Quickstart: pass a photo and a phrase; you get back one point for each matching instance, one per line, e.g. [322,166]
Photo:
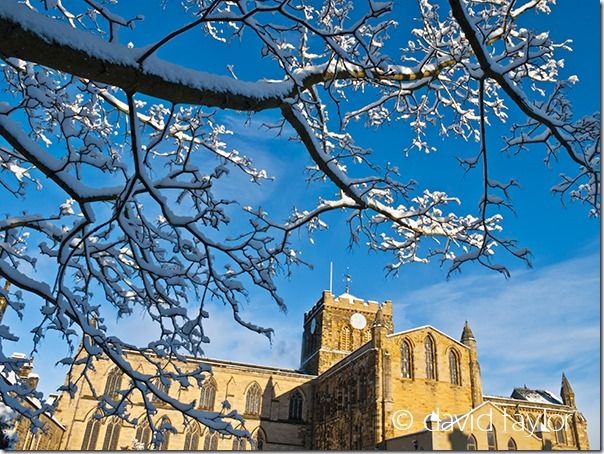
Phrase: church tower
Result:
[335,326]
[467,338]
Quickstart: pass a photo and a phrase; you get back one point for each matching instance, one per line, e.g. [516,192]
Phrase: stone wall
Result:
[232,380]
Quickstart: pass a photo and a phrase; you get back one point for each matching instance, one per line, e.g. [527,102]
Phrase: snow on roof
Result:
[536,395]
[11,378]
[348,296]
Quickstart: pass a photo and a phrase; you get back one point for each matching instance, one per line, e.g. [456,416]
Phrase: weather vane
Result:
[347,280]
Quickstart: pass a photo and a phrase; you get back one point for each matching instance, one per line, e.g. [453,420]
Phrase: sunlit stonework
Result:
[359,386]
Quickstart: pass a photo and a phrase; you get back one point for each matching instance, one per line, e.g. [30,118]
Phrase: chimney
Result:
[24,366]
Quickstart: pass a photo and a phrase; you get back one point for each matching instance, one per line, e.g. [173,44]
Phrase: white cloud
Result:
[530,328]
[228,339]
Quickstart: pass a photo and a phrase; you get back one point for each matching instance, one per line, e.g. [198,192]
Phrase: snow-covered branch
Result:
[147,181]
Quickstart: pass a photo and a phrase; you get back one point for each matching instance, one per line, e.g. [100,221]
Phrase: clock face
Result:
[313,325]
[358,321]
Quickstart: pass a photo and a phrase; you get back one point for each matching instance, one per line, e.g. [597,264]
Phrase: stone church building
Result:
[359,386]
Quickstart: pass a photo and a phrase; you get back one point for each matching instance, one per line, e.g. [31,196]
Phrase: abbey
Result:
[359,386]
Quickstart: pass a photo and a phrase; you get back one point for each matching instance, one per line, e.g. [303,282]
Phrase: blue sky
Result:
[530,328]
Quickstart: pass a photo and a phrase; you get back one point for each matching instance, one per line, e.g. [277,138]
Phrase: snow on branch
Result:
[147,172]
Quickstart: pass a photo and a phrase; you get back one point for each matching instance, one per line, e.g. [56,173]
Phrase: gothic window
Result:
[571,439]
[91,434]
[532,424]
[211,441]
[559,428]
[112,434]
[33,442]
[114,384]
[260,441]
[162,386]
[430,353]
[345,339]
[192,437]
[208,395]
[296,406]
[512,445]
[366,335]
[454,367]
[238,444]
[471,443]
[362,387]
[491,439]
[143,434]
[164,423]
[253,399]
[406,360]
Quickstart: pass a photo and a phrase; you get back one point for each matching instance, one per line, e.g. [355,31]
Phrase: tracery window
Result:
[512,445]
[260,440]
[239,444]
[345,338]
[113,384]
[163,387]
[406,360]
[91,434]
[491,439]
[471,444]
[165,422]
[366,335]
[112,434]
[362,387]
[208,395]
[430,353]
[143,434]
[211,441]
[192,437]
[559,428]
[296,406]
[454,367]
[253,399]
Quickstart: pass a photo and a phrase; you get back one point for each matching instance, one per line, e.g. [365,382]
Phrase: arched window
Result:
[454,367]
[34,441]
[491,439]
[113,384]
[253,399]
[211,441]
[471,444]
[112,434]
[208,395]
[164,424]
[512,445]
[366,336]
[163,386]
[406,360]
[345,338]
[91,434]
[362,387]
[260,441]
[430,352]
[559,428]
[143,434]
[192,437]
[296,406]
[238,444]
